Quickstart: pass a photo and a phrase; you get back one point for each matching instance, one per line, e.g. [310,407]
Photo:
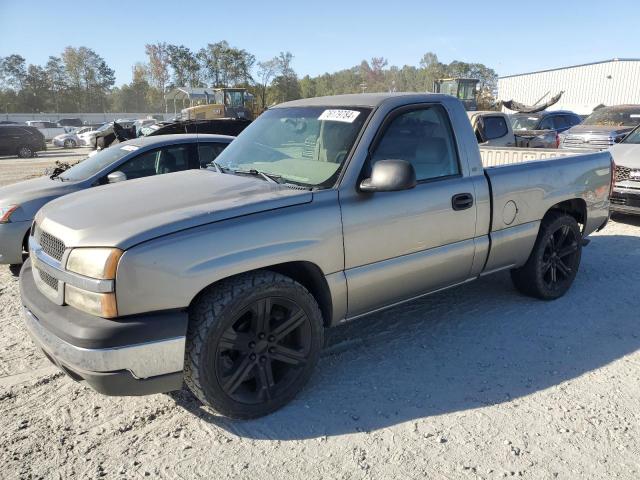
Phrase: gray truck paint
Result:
[374,250]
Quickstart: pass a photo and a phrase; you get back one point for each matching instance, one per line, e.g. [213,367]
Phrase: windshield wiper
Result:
[269,177]
[215,165]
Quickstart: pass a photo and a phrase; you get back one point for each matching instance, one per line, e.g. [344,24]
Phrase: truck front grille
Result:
[626,173]
[48,279]
[52,246]
[590,142]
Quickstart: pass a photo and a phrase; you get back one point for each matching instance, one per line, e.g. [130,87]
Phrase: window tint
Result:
[207,152]
[495,127]
[546,124]
[165,160]
[424,139]
[560,122]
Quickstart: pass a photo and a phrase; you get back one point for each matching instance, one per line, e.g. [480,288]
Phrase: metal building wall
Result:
[611,82]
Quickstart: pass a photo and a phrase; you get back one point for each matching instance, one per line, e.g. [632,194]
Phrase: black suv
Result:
[21,140]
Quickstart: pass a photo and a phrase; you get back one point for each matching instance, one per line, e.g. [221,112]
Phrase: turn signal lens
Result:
[99,304]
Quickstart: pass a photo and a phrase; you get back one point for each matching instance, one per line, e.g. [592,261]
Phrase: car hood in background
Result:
[603,130]
[626,155]
[30,195]
[125,214]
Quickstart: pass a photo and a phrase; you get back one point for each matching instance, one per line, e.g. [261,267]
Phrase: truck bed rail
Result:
[498,156]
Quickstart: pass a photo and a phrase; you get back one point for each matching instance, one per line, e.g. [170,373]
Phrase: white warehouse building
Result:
[610,82]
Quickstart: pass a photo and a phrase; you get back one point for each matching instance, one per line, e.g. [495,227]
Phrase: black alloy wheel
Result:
[261,354]
[554,260]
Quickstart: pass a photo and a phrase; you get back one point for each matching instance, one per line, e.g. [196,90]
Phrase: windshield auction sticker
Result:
[347,116]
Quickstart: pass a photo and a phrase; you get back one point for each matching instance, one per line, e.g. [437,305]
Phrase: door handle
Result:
[462,201]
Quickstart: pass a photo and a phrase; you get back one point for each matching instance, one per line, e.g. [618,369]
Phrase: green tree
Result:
[158,71]
[185,66]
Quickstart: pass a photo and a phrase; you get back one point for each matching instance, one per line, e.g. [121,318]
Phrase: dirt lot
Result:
[475,382]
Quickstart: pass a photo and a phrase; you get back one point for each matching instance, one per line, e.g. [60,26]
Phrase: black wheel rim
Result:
[25,152]
[264,351]
[559,257]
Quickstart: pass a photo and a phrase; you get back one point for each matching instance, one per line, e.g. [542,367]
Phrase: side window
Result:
[560,122]
[423,138]
[208,152]
[495,127]
[169,159]
[143,165]
[546,123]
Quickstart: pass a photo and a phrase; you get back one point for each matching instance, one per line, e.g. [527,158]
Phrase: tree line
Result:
[80,80]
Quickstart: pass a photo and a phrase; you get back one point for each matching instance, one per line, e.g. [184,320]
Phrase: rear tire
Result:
[69,143]
[25,151]
[554,260]
[252,344]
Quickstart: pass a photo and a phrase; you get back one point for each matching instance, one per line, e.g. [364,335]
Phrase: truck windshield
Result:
[614,117]
[93,164]
[302,145]
[524,122]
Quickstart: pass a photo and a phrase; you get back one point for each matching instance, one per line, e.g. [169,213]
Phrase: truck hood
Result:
[600,130]
[626,155]
[125,214]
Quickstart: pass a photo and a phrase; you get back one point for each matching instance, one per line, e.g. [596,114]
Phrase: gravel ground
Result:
[474,382]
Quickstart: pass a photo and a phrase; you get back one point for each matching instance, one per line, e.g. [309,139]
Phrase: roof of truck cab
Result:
[361,99]
[177,138]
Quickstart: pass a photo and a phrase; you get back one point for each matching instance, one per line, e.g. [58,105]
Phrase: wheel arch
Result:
[307,274]
[575,207]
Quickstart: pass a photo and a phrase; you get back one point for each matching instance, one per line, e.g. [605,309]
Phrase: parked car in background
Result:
[137,158]
[494,129]
[48,129]
[626,192]
[143,122]
[105,135]
[231,127]
[67,140]
[603,128]
[558,121]
[70,122]
[21,140]
[324,210]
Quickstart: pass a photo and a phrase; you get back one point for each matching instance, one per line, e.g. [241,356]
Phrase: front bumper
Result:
[136,355]
[626,200]
[11,241]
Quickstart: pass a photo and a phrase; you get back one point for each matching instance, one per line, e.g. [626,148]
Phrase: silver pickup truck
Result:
[321,211]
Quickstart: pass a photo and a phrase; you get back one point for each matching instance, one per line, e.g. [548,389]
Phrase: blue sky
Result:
[329,35]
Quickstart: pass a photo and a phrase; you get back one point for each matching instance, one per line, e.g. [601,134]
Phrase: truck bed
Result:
[498,156]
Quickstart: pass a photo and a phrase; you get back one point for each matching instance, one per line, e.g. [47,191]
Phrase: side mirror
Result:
[115,177]
[390,176]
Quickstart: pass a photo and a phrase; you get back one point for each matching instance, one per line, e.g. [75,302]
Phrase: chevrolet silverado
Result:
[323,210]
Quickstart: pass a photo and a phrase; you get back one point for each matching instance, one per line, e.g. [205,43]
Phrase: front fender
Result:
[168,272]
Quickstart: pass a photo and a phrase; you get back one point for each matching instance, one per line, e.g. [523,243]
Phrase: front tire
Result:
[69,143]
[252,344]
[25,151]
[554,260]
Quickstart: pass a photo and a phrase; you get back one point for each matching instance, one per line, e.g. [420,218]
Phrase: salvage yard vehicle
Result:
[133,159]
[67,140]
[556,120]
[494,129]
[605,127]
[323,210]
[626,192]
[21,140]
[48,129]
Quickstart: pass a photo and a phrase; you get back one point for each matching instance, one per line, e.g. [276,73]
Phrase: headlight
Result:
[5,212]
[99,304]
[94,262]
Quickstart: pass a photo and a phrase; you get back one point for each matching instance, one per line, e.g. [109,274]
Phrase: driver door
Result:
[401,244]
